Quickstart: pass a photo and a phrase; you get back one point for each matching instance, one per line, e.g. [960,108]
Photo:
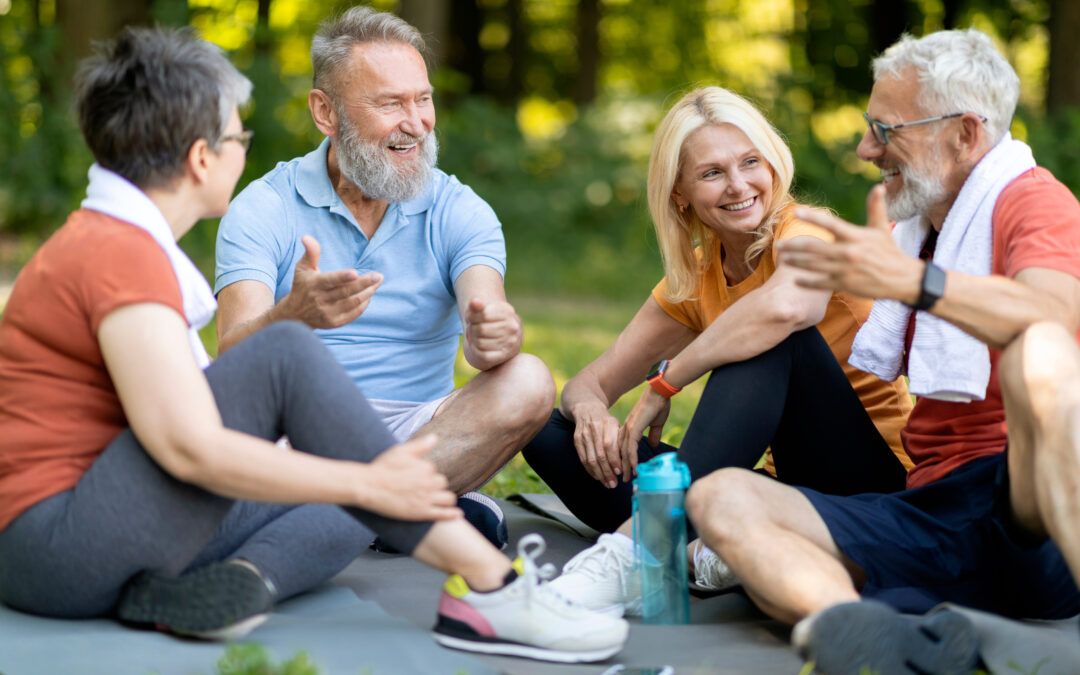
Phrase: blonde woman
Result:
[719,194]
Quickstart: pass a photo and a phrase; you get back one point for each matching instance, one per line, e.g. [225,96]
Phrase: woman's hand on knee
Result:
[405,485]
[651,410]
[596,435]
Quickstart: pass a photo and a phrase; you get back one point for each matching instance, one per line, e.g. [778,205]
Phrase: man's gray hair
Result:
[144,98]
[958,71]
[336,37]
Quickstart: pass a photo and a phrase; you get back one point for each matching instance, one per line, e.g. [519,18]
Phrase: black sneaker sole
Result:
[871,637]
[219,601]
[507,648]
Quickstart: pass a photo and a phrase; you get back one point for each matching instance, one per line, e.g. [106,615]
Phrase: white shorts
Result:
[404,418]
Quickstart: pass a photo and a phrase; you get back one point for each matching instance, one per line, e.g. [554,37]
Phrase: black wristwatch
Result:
[932,287]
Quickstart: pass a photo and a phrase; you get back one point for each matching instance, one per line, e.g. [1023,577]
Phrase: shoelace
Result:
[595,562]
[709,569]
[529,549]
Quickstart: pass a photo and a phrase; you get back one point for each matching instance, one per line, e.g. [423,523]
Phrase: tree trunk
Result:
[588,49]
[432,18]
[83,22]
[888,21]
[518,49]
[1063,87]
[951,14]
[464,52]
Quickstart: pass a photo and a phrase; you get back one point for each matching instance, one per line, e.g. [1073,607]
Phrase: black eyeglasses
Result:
[243,138]
[881,130]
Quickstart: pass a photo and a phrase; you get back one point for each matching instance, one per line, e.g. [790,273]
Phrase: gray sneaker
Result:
[868,636]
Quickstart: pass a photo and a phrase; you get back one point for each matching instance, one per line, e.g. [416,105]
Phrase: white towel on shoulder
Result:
[945,363]
[112,194]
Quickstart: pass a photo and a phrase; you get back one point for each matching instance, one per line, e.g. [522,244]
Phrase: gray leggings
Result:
[71,554]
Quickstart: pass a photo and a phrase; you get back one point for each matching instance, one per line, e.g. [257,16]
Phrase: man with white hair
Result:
[986,245]
[391,259]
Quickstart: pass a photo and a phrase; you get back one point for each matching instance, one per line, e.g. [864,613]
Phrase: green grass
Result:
[568,334]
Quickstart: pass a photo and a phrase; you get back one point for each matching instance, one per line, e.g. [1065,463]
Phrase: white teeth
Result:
[403,147]
[740,206]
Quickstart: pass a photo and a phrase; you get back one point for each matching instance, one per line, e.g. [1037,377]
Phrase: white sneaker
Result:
[604,577]
[710,572]
[527,617]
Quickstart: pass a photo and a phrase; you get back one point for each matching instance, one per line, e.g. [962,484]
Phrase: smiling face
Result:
[912,164]
[725,180]
[385,116]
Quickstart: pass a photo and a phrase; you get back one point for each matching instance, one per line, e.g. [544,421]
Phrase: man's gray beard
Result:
[922,190]
[366,164]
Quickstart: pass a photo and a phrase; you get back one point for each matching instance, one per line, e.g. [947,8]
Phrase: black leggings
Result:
[794,398]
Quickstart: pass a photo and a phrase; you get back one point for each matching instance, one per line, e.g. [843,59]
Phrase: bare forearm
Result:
[239,466]
[583,389]
[996,309]
[748,328]
[233,334]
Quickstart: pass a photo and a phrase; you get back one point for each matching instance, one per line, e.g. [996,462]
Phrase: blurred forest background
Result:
[546,108]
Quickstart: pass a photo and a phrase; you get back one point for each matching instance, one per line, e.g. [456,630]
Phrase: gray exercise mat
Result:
[1042,647]
[341,634]
[727,635]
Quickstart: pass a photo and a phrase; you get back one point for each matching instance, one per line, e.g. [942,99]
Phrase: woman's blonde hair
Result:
[680,233]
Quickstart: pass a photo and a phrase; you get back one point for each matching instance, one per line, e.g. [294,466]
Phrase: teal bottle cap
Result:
[661,473]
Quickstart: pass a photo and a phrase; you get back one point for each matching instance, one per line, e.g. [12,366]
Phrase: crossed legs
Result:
[484,424]
[774,540]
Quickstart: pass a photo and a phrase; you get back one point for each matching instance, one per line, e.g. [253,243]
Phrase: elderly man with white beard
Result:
[977,301]
[391,260]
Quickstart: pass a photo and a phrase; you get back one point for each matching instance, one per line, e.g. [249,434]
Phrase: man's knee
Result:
[528,391]
[723,504]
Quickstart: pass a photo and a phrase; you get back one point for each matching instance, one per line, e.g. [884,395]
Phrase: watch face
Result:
[658,368]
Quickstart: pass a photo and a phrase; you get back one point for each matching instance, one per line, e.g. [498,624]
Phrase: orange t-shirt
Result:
[887,403]
[1036,223]
[58,406]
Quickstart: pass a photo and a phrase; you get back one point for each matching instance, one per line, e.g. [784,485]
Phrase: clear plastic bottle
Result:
[659,525]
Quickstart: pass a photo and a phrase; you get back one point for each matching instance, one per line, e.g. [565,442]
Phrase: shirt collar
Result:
[312,180]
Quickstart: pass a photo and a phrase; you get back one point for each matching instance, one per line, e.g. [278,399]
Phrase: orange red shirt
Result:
[1036,223]
[58,406]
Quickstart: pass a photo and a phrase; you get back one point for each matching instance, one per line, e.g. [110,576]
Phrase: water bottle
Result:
[659,525]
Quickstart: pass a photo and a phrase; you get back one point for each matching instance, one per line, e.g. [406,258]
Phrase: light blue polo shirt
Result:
[403,346]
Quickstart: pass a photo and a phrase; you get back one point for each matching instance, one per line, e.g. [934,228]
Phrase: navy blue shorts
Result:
[951,541]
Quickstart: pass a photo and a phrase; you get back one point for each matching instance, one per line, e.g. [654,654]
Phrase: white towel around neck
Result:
[945,363]
[113,195]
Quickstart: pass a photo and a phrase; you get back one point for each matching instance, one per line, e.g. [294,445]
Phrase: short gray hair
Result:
[958,71]
[146,97]
[336,37]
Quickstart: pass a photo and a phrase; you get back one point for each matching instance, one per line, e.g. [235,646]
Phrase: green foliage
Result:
[1054,140]
[43,160]
[572,206]
[254,659]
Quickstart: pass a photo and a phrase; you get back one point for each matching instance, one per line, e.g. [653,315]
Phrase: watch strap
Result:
[658,383]
[932,287]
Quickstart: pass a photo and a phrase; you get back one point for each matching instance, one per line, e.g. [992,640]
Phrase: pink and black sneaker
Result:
[526,617]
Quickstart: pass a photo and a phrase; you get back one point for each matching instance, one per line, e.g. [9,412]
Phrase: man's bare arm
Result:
[319,299]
